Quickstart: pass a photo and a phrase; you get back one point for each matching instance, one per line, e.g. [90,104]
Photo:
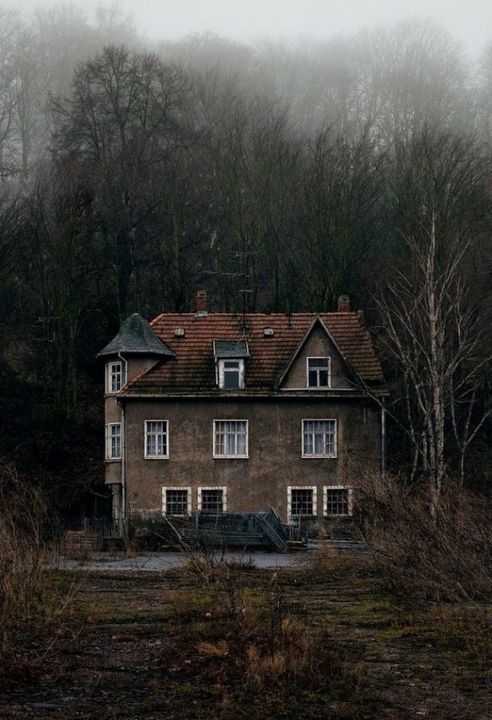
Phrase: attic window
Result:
[318,372]
[229,363]
[231,374]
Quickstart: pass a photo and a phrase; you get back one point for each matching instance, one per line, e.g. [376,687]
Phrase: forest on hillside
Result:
[277,177]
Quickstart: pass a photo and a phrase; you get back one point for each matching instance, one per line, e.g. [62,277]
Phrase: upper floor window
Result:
[231,374]
[231,438]
[156,439]
[113,441]
[318,372]
[319,438]
[114,377]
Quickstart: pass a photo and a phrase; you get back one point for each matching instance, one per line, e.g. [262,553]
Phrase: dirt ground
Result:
[240,642]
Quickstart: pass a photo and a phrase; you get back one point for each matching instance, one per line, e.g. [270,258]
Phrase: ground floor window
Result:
[176,501]
[212,499]
[337,501]
[113,441]
[301,501]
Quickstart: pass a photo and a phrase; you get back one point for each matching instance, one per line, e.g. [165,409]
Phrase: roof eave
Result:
[166,353]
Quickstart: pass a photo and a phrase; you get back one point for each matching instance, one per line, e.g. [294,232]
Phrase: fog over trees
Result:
[131,175]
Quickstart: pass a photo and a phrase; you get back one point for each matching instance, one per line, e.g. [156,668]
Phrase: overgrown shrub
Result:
[273,651]
[32,598]
[446,557]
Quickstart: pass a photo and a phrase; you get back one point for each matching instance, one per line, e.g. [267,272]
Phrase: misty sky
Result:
[469,20]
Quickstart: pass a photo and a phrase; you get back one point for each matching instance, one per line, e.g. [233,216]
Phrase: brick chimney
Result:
[201,302]
[344,303]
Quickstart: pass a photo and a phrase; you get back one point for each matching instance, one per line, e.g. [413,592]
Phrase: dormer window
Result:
[115,377]
[229,363]
[318,372]
[231,374]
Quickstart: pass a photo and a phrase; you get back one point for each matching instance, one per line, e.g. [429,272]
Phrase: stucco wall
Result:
[112,409]
[275,445]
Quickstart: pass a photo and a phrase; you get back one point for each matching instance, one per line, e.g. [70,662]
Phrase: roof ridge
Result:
[298,313]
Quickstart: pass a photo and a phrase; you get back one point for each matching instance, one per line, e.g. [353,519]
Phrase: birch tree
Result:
[431,323]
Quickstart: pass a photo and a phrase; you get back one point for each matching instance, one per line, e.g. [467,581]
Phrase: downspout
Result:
[383,436]
[123,520]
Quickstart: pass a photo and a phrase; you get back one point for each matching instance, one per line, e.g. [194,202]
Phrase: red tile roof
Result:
[193,368]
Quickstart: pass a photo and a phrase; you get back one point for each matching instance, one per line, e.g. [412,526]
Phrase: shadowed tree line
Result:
[276,178]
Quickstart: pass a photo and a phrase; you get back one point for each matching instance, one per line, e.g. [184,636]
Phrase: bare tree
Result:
[9,26]
[61,279]
[338,221]
[431,324]
[124,119]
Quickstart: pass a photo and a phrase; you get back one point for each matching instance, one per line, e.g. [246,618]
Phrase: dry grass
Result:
[311,645]
[33,598]
[420,557]
[271,651]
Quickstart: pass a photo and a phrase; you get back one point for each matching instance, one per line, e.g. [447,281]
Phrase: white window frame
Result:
[219,456]
[222,372]
[165,488]
[166,426]
[318,387]
[314,490]
[211,487]
[335,443]
[109,444]
[110,371]
[350,500]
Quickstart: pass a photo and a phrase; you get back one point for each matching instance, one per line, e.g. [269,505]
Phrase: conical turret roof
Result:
[136,338]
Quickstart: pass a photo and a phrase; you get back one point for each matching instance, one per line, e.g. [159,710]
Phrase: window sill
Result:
[112,460]
[156,457]
[319,457]
[231,457]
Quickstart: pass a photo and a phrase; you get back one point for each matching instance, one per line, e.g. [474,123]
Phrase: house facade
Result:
[223,411]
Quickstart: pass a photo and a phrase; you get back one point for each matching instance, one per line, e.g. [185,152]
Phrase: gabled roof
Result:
[192,369]
[316,321]
[136,338]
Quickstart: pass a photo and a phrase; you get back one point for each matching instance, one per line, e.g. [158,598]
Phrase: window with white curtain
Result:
[115,377]
[113,441]
[230,438]
[156,439]
[319,438]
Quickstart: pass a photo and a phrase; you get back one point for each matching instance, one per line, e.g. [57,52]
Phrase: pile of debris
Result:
[245,530]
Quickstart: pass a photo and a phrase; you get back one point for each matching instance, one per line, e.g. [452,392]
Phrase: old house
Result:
[224,411]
